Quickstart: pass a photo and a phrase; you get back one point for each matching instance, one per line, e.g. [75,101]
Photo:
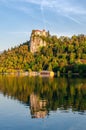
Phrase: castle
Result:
[36,40]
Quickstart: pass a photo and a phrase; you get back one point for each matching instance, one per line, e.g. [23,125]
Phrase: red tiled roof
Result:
[37,31]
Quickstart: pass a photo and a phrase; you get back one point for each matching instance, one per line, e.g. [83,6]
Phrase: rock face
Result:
[36,40]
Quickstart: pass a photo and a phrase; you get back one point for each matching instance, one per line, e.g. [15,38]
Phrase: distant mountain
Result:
[1,52]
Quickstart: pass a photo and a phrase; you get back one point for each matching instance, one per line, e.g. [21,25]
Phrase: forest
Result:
[61,54]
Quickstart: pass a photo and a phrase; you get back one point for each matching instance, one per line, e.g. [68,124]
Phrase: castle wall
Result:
[36,41]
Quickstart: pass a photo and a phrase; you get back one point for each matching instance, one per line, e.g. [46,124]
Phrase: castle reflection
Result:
[38,106]
[43,95]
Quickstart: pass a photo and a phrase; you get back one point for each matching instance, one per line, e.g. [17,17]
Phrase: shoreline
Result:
[44,74]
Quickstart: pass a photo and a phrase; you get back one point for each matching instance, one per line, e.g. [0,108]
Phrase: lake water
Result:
[37,103]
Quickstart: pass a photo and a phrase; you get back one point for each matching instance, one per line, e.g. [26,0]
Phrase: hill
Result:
[62,54]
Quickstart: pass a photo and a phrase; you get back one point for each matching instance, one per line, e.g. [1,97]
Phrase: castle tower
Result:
[36,40]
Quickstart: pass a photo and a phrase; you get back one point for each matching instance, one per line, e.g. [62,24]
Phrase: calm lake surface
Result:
[37,103]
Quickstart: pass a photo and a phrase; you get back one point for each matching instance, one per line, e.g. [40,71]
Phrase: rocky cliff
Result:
[37,41]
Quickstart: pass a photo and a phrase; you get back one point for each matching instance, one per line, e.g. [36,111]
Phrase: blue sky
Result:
[19,17]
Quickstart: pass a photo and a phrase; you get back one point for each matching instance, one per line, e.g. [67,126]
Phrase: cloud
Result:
[64,8]
[67,8]
[73,19]
[56,5]
[60,5]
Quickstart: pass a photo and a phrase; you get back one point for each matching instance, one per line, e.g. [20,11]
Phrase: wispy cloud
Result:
[60,5]
[24,8]
[73,19]
[65,8]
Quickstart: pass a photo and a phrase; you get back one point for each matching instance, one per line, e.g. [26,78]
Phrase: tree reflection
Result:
[46,94]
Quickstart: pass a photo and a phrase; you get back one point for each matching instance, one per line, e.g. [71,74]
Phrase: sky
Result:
[19,17]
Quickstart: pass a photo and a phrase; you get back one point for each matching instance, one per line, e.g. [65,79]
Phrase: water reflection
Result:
[43,95]
[38,106]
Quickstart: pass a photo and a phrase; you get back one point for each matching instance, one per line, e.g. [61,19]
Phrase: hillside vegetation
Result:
[62,54]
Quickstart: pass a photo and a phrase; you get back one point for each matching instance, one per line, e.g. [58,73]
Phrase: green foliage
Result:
[63,54]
